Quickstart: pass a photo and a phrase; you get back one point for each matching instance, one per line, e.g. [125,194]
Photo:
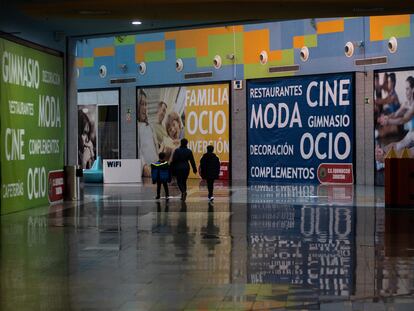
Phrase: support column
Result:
[128,129]
[239,135]
[71,131]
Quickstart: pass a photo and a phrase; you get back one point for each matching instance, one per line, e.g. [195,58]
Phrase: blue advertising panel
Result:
[301,129]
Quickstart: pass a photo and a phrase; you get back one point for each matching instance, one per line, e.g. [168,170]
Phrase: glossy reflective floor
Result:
[256,248]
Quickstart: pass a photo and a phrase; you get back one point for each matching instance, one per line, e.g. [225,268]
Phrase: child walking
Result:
[160,174]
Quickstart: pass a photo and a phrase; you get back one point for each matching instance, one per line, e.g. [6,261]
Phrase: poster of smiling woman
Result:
[199,113]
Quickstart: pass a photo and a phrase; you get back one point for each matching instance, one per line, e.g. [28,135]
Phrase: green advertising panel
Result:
[32,126]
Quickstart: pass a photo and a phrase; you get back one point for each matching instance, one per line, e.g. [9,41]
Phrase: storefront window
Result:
[98,126]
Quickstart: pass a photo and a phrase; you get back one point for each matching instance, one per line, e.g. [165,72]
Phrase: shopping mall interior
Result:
[299,113]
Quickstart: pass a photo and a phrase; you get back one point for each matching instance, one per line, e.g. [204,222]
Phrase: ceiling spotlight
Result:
[136,23]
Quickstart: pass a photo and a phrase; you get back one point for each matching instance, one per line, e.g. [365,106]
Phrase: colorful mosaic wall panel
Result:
[240,46]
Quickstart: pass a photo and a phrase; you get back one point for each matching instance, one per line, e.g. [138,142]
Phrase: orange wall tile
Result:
[298,42]
[104,51]
[330,26]
[142,48]
[275,55]
[377,24]
[198,38]
[255,42]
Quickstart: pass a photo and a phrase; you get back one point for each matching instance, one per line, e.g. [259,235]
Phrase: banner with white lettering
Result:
[32,127]
[199,113]
[301,129]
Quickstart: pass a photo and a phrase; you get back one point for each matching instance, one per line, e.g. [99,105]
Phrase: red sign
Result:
[333,173]
[56,185]
[224,170]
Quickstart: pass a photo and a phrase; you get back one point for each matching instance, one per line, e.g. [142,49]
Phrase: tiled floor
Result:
[256,248]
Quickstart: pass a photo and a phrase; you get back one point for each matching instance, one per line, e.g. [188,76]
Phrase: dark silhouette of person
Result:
[210,169]
[181,168]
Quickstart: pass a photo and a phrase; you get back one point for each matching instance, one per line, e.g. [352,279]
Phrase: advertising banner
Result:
[301,129]
[393,116]
[87,130]
[97,126]
[32,127]
[199,113]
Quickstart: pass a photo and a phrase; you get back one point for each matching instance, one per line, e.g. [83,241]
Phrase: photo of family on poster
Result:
[160,122]
[393,116]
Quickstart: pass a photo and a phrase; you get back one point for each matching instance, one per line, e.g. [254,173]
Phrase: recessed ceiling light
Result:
[136,23]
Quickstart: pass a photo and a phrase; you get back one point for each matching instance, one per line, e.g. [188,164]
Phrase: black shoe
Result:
[183,196]
[157,197]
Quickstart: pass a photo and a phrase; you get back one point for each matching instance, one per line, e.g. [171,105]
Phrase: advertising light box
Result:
[393,116]
[199,113]
[301,129]
[32,127]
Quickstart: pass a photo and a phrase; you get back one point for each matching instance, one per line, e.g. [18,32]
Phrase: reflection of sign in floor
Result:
[302,245]
[338,194]
[256,297]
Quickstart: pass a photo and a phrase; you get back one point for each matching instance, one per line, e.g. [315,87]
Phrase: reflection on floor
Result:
[262,247]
